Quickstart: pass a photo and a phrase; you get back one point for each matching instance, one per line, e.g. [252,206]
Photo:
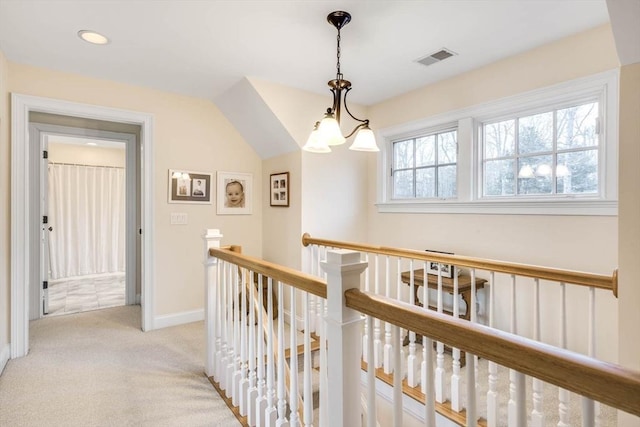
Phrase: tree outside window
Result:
[549,153]
[425,167]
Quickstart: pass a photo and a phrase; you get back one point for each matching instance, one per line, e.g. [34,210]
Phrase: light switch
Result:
[179,218]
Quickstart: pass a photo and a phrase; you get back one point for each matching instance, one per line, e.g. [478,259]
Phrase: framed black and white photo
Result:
[190,187]
[279,189]
[234,193]
[435,268]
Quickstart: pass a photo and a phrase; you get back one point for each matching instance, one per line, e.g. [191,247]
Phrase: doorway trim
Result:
[41,132]
[21,106]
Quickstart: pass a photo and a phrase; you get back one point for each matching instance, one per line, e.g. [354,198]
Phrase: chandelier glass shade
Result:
[327,133]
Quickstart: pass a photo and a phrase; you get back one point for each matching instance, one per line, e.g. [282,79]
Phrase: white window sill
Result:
[505,207]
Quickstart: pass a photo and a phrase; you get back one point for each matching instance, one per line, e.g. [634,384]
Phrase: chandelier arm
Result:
[358,127]
[365,121]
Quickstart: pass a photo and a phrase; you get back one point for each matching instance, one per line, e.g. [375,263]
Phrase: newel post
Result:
[211,239]
[343,331]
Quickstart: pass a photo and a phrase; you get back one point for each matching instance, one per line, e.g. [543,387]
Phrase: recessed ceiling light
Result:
[92,37]
[92,143]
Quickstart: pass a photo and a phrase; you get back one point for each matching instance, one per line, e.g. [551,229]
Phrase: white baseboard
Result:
[168,320]
[5,355]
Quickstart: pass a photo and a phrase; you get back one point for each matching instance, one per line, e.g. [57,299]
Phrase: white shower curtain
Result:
[87,213]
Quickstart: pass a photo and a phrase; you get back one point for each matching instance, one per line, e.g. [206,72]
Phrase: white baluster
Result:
[397,377]
[311,307]
[270,413]
[222,309]
[224,313]
[472,361]
[516,410]
[237,343]
[399,286]
[425,368]
[365,331]
[294,418]
[428,379]
[320,301]
[378,342]
[261,400]
[412,362]
[244,341]
[590,413]
[440,386]
[371,384]
[308,392]
[282,402]
[219,307]
[227,358]
[492,395]
[563,395]
[388,348]
[252,393]
[324,386]
[537,413]
[456,401]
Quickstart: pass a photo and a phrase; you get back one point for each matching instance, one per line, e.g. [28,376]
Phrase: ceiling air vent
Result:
[436,57]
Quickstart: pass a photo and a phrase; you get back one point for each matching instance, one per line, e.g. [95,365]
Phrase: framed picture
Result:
[445,270]
[234,193]
[279,189]
[190,187]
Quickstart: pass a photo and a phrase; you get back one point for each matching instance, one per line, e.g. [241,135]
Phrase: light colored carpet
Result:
[99,369]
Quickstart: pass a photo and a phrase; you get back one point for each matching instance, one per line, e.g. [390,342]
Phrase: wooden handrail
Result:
[608,383]
[302,281]
[565,276]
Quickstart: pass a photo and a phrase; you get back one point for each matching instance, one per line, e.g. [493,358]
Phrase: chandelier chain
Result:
[339,75]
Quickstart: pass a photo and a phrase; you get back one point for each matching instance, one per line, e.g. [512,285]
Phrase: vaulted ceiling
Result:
[202,48]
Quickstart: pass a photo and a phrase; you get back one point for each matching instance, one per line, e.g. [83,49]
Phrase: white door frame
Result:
[21,106]
[39,136]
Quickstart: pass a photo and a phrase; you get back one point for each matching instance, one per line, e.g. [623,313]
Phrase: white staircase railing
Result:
[246,354]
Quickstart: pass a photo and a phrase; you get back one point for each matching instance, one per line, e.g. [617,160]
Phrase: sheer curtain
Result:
[87,213]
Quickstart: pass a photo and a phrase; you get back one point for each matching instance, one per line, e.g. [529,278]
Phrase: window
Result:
[425,167]
[550,153]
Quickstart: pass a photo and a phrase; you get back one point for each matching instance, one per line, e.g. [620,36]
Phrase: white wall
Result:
[189,134]
[5,209]
[333,186]
[629,213]
[587,243]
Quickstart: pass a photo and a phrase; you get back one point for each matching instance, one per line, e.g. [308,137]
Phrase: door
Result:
[45,228]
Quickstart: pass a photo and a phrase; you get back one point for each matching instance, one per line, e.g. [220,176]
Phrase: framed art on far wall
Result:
[190,187]
[234,193]
[445,270]
[279,189]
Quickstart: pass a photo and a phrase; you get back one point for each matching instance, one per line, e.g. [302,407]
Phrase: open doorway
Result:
[86,229]
[25,207]
[85,232]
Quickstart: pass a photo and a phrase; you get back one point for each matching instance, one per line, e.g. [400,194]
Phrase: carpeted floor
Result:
[99,369]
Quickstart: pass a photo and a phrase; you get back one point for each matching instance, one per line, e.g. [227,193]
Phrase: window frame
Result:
[468,121]
[450,127]
[554,152]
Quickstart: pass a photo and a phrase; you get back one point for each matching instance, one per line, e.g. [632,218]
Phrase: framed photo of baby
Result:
[234,193]
[279,189]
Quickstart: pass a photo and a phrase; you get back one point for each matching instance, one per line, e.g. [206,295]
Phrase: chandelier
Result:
[327,131]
